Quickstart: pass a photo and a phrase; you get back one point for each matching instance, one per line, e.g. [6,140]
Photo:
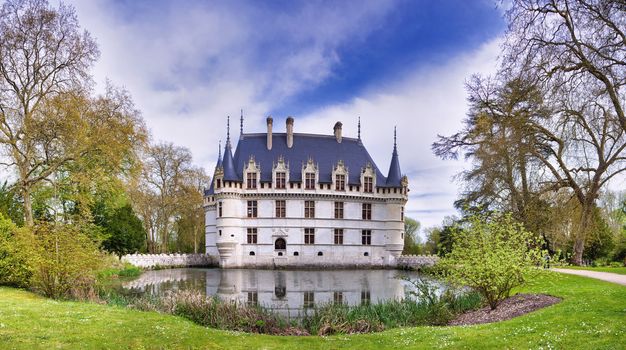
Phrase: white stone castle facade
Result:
[302,200]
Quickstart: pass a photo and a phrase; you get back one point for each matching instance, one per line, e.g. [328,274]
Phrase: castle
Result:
[302,200]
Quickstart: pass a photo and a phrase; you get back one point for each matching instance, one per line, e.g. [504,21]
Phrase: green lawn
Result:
[592,315]
[618,270]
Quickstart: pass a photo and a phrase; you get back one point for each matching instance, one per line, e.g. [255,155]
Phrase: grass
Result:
[127,270]
[591,316]
[618,270]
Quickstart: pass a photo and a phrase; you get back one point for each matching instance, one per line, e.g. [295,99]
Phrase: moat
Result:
[288,292]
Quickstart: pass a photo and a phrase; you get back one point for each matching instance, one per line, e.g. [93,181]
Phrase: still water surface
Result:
[288,292]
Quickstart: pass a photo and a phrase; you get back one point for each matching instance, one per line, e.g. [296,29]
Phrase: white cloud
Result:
[189,64]
[430,100]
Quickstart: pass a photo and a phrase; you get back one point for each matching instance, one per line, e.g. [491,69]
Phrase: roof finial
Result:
[394,139]
[219,150]
[241,122]
[359,128]
[227,131]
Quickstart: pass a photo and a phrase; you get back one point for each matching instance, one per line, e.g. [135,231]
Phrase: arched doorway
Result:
[280,244]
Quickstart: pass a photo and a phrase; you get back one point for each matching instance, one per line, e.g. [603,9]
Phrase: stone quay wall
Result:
[415,262]
[169,260]
[148,261]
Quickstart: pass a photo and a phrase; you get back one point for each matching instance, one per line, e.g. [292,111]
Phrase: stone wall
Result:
[415,262]
[179,260]
[169,260]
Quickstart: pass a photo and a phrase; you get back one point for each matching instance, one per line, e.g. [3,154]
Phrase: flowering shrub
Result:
[492,255]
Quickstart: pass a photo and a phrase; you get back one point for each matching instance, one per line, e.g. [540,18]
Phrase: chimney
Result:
[337,130]
[289,132]
[269,132]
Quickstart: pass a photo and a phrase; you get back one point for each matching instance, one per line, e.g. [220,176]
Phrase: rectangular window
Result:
[338,297]
[309,236]
[309,181]
[281,208]
[365,297]
[366,237]
[252,235]
[338,236]
[219,183]
[338,210]
[251,181]
[252,209]
[402,214]
[253,298]
[219,209]
[366,213]
[309,209]
[340,182]
[309,300]
[368,184]
[281,180]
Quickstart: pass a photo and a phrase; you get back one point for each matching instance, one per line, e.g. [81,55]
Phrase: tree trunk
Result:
[28,207]
[581,235]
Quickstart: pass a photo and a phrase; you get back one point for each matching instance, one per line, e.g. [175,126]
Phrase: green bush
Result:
[492,255]
[14,268]
[64,261]
[126,270]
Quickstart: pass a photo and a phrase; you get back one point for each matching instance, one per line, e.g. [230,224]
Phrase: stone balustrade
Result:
[185,260]
[415,262]
[169,260]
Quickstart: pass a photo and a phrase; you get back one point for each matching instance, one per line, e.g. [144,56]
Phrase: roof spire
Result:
[219,154]
[395,145]
[359,128]
[227,131]
[227,162]
[241,122]
[394,176]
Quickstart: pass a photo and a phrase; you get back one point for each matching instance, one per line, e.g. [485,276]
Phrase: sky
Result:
[189,64]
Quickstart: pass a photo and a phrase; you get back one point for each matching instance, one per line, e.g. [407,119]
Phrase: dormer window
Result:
[340,182]
[281,180]
[309,181]
[368,184]
[251,175]
[251,181]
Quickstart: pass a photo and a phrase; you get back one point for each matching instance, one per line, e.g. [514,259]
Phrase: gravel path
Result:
[605,276]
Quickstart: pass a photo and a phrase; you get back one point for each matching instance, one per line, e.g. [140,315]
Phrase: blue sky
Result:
[428,32]
[189,64]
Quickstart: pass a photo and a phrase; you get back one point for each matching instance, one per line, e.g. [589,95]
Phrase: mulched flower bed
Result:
[514,306]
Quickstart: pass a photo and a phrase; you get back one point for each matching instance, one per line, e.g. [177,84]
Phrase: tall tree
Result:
[170,188]
[572,53]
[576,51]
[411,237]
[572,43]
[498,139]
[43,56]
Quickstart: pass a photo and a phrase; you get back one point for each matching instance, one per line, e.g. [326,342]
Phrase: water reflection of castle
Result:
[287,292]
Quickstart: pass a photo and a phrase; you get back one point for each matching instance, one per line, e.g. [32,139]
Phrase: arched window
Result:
[280,244]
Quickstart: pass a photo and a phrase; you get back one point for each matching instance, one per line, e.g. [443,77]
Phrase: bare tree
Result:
[574,52]
[43,55]
[170,188]
[572,43]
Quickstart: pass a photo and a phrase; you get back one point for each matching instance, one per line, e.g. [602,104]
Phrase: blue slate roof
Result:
[230,173]
[394,176]
[325,151]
